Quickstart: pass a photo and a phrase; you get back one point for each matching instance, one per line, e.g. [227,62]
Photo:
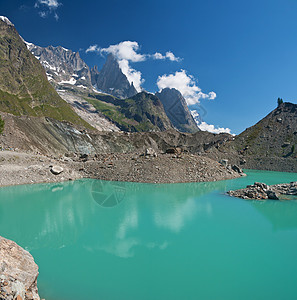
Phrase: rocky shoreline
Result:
[262,191]
[148,167]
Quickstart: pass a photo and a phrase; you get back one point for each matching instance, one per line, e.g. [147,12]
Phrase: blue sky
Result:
[244,51]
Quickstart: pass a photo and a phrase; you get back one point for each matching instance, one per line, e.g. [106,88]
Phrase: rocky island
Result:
[262,191]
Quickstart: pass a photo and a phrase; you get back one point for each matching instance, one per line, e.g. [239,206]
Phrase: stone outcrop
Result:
[18,272]
[112,80]
[262,191]
[177,110]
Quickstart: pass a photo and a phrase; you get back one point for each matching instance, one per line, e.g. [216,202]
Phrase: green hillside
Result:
[142,112]
[24,88]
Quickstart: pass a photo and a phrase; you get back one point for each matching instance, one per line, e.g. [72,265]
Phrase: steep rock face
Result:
[177,110]
[44,135]
[24,88]
[18,272]
[112,80]
[273,136]
[62,66]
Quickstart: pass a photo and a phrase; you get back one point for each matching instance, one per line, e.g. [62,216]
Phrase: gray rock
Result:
[224,162]
[56,170]
[272,195]
[150,152]
[19,272]
[261,191]
[261,185]
[237,169]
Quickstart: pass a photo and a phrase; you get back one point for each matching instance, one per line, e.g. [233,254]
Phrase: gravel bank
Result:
[23,168]
[165,168]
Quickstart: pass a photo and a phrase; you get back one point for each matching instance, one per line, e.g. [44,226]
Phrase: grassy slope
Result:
[24,88]
[143,112]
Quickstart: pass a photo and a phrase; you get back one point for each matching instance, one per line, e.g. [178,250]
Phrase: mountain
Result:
[142,112]
[271,144]
[63,66]
[24,88]
[112,80]
[273,136]
[177,110]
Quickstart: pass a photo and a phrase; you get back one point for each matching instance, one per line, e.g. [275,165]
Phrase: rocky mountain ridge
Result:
[112,80]
[268,145]
[71,76]
[63,66]
[273,136]
[177,110]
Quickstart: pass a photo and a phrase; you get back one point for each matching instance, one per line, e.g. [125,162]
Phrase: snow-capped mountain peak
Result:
[6,20]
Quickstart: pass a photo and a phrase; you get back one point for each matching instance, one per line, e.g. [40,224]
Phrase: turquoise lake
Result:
[130,241]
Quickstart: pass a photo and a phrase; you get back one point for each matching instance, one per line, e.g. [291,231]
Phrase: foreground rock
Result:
[262,191]
[56,170]
[18,272]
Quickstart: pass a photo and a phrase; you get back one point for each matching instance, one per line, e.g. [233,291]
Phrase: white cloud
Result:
[211,128]
[43,14]
[50,3]
[158,55]
[126,50]
[93,48]
[212,95]
[169,55]
[186,84]
[48,7]
[132,75]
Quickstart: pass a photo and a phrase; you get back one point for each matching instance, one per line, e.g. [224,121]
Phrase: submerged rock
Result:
[18,272]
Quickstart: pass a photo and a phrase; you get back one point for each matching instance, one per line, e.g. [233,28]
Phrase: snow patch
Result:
[6,20]
[49,77]
[72,81]
[99,91]
[82,86]
[29,45]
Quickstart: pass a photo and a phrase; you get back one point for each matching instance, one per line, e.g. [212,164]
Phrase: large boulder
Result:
[56,170]
[18,272]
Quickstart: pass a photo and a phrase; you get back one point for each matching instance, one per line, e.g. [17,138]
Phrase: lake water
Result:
[131,241]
